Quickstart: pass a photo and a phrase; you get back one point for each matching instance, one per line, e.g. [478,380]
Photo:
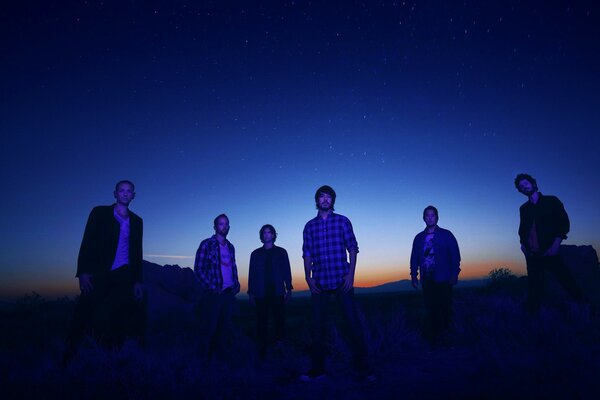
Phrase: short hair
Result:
[528,178]
[432,208]
[262,231]
[122,182]
[328,190]
[217,219]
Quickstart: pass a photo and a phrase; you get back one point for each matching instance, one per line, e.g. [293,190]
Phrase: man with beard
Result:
[109,268]
[328,240]
[436,255]
[544,224]
[216,271]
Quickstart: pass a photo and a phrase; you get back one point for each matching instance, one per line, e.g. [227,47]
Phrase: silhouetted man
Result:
[269,286]
[544,224]
[109,268]
[216,271]
[328,240]
[436,256]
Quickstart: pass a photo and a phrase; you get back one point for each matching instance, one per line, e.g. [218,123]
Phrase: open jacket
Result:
[447,255]
[207,266]
[282,274]
[100,239]
[551,221]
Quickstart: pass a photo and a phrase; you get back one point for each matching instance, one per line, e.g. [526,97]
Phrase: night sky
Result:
[246,108]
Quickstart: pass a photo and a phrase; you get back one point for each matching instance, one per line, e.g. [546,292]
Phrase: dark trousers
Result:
[538,267]
[111,303]
[438,305]
[215,310]
[353,328]
[274,305]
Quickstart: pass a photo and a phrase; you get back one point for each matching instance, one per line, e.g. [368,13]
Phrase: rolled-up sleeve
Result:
[349,238]
[307,242]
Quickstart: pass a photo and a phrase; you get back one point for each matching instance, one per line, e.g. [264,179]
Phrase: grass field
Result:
[497,351]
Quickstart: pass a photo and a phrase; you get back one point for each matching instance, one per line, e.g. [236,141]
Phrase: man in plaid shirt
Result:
[216,271]
[328,240]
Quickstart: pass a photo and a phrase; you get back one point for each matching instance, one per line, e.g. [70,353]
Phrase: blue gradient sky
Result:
[248,109]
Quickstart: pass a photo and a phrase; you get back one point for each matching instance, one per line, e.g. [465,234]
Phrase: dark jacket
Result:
[551,221]
[282,274]
[207,266]
[447,255]
[100,239]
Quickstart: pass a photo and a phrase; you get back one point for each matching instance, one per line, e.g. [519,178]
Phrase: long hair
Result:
[262,231]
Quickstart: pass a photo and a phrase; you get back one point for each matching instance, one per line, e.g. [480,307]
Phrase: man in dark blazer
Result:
[543,226]
[109,268]
[269,286]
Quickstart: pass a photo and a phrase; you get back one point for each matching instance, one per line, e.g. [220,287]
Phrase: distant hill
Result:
[400,286]
[171,286]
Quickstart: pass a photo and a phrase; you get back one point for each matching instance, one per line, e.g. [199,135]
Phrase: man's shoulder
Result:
[279,249]
[446,233]
[208,241]
[420,234]
[311,221]
[550,198]
[340,216]
[101,213]
[443,230]
[133,215]
[102,210]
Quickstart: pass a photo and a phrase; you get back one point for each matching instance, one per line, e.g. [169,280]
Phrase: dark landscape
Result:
[497,350]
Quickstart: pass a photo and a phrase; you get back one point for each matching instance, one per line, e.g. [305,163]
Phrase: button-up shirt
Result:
[326,242]
[207,266]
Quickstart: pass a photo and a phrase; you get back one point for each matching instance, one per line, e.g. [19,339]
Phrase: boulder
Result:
[583,263]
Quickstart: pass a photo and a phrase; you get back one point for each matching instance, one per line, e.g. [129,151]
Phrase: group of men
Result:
[110,272]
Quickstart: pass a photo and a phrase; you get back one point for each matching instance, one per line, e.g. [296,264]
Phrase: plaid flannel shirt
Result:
[207,266]
[326,242]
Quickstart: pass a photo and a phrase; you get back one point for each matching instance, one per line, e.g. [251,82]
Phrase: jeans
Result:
[215,310]
[438,305]
[353,328]
[112,299]
[265,305]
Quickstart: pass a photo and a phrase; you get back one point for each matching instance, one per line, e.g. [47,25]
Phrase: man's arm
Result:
[138,289]
[454,259]
[352,247]
[312,285]
[562,227]
[287,272]
[236,285]
[87,251]
[414,264]
[200,267]
[521,231]
[349,278]
[251,273]
[307,257]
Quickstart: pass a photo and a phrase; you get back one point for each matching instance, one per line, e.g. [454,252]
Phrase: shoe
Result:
[67,357]
[369,378]
[313,375]
[366,376]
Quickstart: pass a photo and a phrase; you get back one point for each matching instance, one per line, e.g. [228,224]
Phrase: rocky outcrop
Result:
[170,288]
[583,263]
